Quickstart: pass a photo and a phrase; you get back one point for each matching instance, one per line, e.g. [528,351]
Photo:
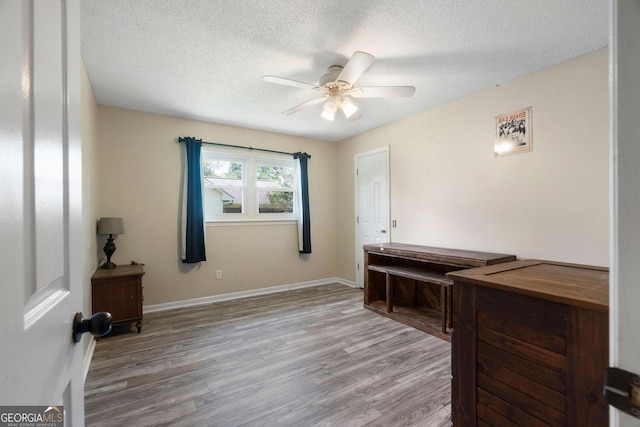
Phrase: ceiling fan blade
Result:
[306,104]
[357,65]
[383,91]
[288,82]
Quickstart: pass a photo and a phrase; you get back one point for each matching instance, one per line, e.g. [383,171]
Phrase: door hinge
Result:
[357,219]
[622,390]
[358,266]
[357,172]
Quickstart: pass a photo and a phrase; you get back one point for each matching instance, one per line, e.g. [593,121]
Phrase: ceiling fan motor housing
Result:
[330,85]
[331,76]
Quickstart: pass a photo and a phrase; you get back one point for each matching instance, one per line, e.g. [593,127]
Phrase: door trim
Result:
[624,206]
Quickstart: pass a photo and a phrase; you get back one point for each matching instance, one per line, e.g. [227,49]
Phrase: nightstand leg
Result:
[139,326]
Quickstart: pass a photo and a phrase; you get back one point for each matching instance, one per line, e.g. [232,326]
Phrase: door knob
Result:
[381,230]
[98,325]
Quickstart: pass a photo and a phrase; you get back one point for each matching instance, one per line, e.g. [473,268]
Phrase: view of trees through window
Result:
[275,188]
[223,169]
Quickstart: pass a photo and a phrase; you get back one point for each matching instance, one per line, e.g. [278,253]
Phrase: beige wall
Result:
[140,180]
[448,189]
[90,187]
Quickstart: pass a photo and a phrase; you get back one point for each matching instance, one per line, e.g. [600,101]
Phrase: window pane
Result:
[223,172]
[223,187]
[231,200]
[222,200]
[271,201]
[274,176]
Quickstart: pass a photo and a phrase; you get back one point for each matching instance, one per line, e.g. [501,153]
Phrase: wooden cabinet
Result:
[530,345]
[119,291]
[407,283]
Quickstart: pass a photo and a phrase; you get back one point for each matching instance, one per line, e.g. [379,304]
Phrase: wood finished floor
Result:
[308,357]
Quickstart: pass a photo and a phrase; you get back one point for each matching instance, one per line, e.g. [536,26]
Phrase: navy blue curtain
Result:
[193,244]
[304,227]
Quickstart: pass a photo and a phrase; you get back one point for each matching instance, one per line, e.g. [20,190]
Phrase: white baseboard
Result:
[243,294]
[345,282]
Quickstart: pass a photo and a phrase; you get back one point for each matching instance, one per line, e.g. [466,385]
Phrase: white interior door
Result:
[624,301]
[372,203]
[41,199]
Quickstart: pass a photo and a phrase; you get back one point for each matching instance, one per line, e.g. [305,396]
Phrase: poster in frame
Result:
[513,133]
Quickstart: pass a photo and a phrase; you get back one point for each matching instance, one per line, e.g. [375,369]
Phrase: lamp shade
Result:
[329,110]
[110,226]
[348,107]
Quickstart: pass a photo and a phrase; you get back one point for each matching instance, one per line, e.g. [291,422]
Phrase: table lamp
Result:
[110,226]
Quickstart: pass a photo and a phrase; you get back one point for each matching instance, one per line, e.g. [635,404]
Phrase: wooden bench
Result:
[407,283]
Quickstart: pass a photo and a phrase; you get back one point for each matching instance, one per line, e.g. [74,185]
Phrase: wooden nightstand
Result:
[119,291]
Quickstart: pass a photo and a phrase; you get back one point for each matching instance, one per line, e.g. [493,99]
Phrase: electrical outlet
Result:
[218,274]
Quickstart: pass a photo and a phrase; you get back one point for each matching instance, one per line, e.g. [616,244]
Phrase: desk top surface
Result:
[119,271]
[573,284]
[443,255]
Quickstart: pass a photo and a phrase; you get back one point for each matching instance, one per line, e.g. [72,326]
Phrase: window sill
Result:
[250,222]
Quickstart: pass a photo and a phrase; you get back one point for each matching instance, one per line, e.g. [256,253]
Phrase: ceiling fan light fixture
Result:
[327,116]
[348,107]
[329,110]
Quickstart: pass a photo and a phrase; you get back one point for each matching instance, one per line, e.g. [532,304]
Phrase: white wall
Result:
[448,189]
[140,182]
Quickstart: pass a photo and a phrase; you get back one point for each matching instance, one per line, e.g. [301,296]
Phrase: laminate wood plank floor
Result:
[307,357]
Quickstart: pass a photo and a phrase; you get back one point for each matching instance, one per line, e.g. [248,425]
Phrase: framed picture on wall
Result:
[513,132]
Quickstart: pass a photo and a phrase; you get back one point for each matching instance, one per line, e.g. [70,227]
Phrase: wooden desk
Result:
[530,345]
[407,283]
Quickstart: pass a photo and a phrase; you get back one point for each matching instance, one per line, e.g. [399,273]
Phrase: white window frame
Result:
[278,162]
[206,156]
[250,203]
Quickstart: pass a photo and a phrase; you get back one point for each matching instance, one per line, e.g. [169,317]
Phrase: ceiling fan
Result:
[336,88]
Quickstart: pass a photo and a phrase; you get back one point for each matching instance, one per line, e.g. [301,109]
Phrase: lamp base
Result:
[108,265]
[109,248]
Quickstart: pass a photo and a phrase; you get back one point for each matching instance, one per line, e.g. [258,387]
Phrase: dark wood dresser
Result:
[119,291]
[530,345]
[407,283]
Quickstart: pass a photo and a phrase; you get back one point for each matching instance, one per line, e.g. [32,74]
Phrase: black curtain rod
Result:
[181,139]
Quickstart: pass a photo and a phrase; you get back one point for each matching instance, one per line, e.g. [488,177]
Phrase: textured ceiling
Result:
[205,59]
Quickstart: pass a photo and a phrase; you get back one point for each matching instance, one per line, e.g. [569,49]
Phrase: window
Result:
[248,187]
[275,187]
[224,185]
